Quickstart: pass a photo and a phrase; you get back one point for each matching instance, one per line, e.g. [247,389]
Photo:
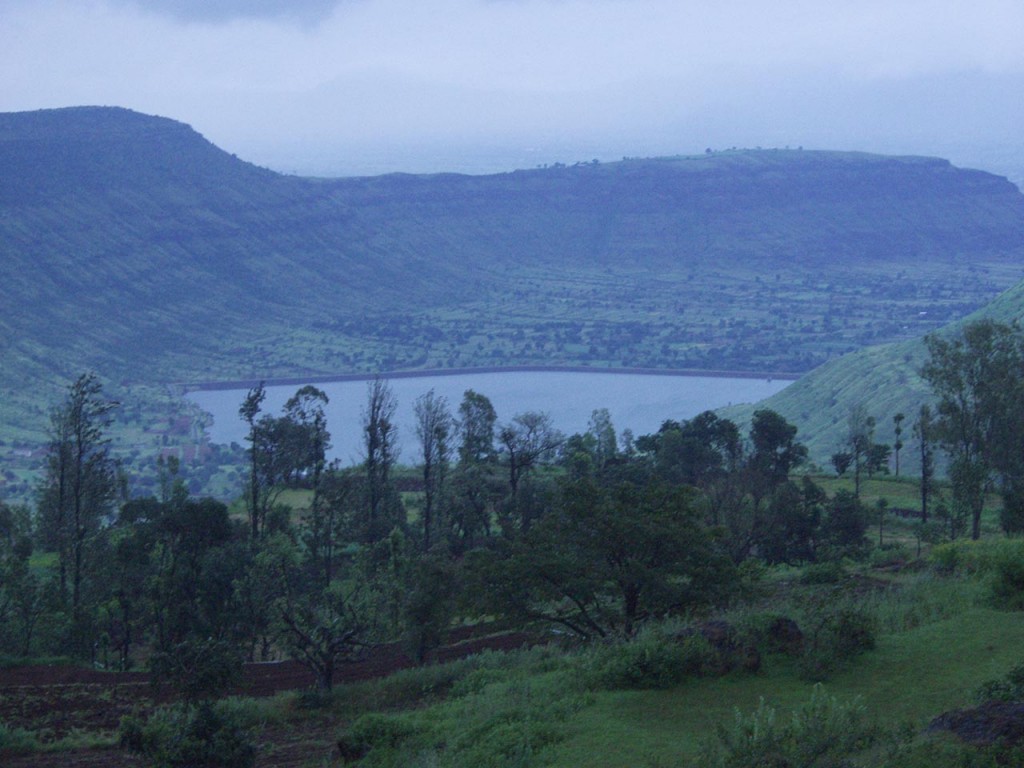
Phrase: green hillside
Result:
[133,247]
[883,378]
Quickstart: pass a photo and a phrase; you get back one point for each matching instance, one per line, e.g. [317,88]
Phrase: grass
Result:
[937,642]
[911,676]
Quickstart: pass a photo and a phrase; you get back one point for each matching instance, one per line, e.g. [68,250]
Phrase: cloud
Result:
[400,71]
[225,10]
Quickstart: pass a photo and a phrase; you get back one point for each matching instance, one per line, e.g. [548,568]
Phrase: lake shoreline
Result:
[214,386]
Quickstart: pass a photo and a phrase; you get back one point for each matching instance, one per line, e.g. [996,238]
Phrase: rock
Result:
[992,723]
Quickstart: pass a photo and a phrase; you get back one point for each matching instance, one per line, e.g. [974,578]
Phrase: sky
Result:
[342,87]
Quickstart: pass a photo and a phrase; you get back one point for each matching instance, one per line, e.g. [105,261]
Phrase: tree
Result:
[841,461]
[527,441]
[792,522]
[477,419]
[977,377]
[318,625]
[860,437]
[923,431]
[79,487]
[305,439]
[846,523]
[878,459]
[20,590]
[255,500]
[604,560]
[433,428]
[380,454]
[776,451]
[603,432]
[897,446]
[694,452]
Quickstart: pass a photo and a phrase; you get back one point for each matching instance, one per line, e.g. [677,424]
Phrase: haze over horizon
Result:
[358,87]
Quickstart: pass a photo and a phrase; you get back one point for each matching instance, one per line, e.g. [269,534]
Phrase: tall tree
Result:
[860,438]
[80,484]
[255,501]
[433,428]
[897,445]
[923,430]
[477,420]
[306,439]
[977,377]
[380,433]
[603,432]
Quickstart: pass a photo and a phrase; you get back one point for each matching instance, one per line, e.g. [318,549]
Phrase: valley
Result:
[138,250]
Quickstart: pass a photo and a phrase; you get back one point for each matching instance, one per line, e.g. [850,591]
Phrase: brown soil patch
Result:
[57,701]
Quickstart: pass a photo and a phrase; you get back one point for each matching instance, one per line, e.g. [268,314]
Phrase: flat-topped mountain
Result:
[134,247]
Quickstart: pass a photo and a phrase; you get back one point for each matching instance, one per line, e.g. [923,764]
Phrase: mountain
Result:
[133,247]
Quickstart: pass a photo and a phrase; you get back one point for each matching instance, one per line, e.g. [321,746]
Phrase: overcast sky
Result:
[365,86]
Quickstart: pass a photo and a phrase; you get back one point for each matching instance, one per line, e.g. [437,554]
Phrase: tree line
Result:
[594,533]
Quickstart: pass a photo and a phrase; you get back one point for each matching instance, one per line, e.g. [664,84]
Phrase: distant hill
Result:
[132,246]
[884,379]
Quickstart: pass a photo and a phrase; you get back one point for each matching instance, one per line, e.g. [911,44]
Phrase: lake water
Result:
[637,401]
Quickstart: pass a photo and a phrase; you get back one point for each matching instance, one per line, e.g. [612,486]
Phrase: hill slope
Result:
[883,378]
[134,247]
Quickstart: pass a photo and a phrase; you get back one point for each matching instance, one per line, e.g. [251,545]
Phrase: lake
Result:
[636,401]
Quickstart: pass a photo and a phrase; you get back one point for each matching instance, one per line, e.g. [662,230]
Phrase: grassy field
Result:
[911,676]
[937,641]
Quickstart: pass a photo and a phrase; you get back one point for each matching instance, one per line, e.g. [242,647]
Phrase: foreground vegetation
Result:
[695,562]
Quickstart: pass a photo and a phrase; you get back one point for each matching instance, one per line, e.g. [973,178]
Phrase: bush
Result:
[1006,589]
[651,660]
[823,573]
[820,734]
[511,724]
[841,633]
[771,633]
[375,732]
[14,741]
[181,737]
[1007,688]
[975,557]
[889,555]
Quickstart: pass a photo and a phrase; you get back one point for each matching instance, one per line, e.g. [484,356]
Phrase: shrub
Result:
[771,633]
[512,723]
[975,557]
[1006,589]
[373,731]
[651,660]
[1007,688]
[841,633]
[888,555]
[181,737]
[15,741]
[823,573]
[821,733]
